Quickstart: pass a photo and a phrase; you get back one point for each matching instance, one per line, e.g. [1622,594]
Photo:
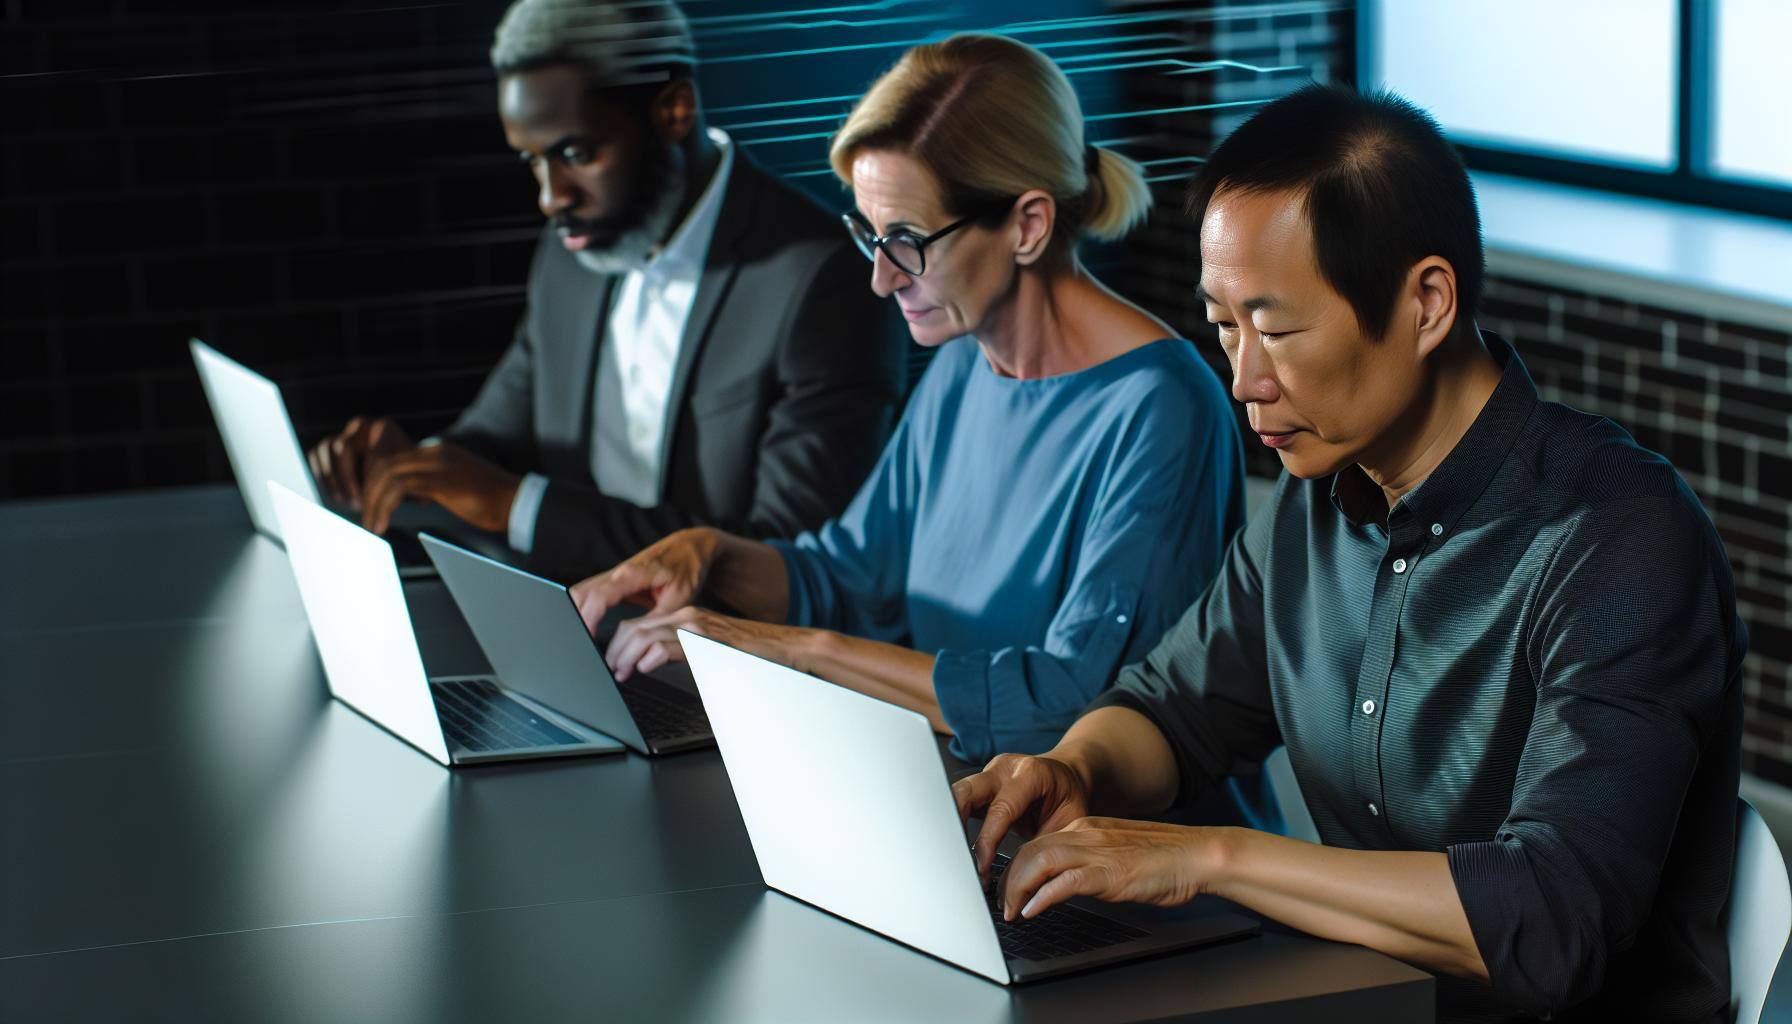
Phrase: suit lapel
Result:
[719,268]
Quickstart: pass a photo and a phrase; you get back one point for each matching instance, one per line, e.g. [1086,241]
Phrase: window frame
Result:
[1690,181]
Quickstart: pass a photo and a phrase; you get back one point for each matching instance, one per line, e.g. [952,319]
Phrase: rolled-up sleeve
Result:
[1625,704]
[1162,520]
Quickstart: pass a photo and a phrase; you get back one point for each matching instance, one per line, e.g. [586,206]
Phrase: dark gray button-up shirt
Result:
[1531,663]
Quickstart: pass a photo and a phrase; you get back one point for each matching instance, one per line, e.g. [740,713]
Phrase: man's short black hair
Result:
[1384,189]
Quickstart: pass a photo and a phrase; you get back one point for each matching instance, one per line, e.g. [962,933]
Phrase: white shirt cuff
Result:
[524,509]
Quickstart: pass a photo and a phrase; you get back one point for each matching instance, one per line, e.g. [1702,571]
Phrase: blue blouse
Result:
[1035,535]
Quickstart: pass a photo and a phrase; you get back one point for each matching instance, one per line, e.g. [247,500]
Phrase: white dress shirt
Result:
[649,309]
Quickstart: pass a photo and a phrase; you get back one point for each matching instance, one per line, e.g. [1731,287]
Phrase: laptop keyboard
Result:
[479,717]
[1061,931]
[664,713]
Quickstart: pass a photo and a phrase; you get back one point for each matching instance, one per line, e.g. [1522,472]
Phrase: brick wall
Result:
[1715,398]
[319,189]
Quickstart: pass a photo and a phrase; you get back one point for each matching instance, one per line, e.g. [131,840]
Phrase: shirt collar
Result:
[689,244]
[1464,473]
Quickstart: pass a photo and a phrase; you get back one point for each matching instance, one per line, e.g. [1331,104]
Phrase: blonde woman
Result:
[1066,475]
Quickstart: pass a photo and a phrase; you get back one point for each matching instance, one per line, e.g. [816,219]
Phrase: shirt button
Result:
[1437,529]
[1121,619]
[1368,707]
[1399,565]
[1374,811]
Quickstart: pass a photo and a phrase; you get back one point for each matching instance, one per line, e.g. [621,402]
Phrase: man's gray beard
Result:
[635,247]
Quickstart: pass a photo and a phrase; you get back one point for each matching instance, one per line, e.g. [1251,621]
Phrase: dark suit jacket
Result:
[787,384]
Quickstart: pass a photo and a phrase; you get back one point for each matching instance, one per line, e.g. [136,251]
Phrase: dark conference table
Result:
[191,829]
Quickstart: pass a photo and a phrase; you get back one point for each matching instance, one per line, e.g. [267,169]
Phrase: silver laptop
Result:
[848,807]
[531,630]
[259,438]
[355,603]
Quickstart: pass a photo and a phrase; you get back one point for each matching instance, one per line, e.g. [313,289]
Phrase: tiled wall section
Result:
[319,189]
[1715,398]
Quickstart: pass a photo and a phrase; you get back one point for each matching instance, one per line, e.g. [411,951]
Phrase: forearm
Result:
[1401,903]
[888,672]
[1125,762]
[749,577]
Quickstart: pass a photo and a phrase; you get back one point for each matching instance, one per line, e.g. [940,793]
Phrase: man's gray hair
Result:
[620,42]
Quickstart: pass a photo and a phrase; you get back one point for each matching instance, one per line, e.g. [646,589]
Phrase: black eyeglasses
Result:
[905,248]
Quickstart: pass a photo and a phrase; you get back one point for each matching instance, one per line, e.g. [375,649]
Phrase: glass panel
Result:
[1585,79]
[1751,83]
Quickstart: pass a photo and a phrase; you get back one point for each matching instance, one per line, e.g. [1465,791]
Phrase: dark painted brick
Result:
[26,412]
[1773,474]
[213,159]
[267,342]
[1773,336]
[381,211]
[383,272]
[1514,308]
[62,166]
[384,334]
[176,401]
[1610,331]
[175,463]
[209,282]
[104,407]
[1736,538]
[131,347]
[1732,463]
[24,355]
[21,224]
[26,293]
[1717,355]
[508,262]
[91,290]
[123,225]
[246,40]
[1769,601]
[69,104]
[1771,514]
[1684,451]
[1739,420]
[1770,639]
[340,30]
[131,54]
[407,147]
[35,472]
[1685,380]
[504,197]
[203,99]
[482,330]
[288,214]
[1773,400]
[105,467]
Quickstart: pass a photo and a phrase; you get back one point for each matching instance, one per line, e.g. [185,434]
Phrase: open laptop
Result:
[531,630]
[355,603]
[262,446]
[848,808]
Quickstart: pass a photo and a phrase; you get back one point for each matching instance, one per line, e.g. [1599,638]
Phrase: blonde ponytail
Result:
[1119,197]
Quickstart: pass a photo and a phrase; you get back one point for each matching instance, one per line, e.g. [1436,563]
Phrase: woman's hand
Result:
[646,643]
[665,577]
[1112,859]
